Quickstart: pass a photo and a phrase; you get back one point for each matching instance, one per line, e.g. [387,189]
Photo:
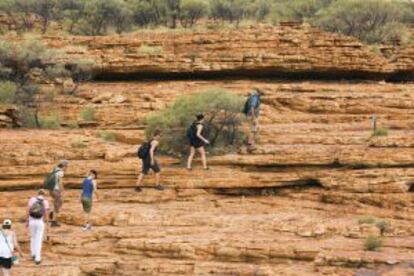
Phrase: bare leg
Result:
[140,178]
[157,179]
[203,157]
[190,157]
[139,181]
[5,272]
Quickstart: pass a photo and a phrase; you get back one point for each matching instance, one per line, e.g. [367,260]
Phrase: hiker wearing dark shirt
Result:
[197,141]
[252,111]
[147,154]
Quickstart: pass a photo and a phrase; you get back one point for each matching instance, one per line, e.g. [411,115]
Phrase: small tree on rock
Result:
[223,117]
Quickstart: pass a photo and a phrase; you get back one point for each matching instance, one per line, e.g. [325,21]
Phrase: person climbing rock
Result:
[146,153]
[89,193]
[252,112]
[195,135]
[37,220]
[8,244]
[54,183]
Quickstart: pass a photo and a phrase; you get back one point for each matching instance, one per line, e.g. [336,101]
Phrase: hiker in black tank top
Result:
[197,142]
[151,163]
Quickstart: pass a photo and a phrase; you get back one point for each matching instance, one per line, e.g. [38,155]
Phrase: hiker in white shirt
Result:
[37,219]
[8,244]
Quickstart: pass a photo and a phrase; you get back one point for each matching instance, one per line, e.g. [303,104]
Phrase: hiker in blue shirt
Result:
[252,111]
[89,190]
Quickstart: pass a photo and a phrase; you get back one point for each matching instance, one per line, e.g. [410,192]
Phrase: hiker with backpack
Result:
[195,135]
[37,219]
[252,112]
[8,245]
[147,152]
[54,183]
[89,192]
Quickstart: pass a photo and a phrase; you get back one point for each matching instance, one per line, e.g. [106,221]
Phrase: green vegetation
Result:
[372,21]
[88,113]
[50,122]
[148,49]
[366,220]
[372,243]
[78,144]
[380,132]
[383,226]
[106,136]
[8,91]
[22,67]
[223,118]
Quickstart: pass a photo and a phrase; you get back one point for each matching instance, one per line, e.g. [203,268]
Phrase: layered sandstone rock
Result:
[264,51]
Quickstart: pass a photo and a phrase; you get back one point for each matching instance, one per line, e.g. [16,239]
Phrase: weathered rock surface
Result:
[263,51]
[291,207]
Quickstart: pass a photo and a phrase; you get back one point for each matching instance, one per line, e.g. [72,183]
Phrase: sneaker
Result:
[159,187]
[138,189]
[87,227]
[54,223]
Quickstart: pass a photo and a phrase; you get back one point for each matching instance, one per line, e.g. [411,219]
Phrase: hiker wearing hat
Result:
[8,244]
[37,218]
[252,112]
[54,183]
[195,135]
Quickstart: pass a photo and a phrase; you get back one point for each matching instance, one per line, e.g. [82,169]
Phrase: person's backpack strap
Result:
[7,242]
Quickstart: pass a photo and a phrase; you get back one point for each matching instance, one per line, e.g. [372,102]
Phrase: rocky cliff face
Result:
[285,51]
[292,207]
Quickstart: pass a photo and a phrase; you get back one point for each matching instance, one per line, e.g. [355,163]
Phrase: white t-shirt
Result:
[59,175]
[5,251]
[33,200]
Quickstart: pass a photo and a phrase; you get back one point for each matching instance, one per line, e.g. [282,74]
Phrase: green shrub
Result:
[88,113]
[366,220]
[107,136]
[149,49]
[191,11]
[222,112]
[383,226]
[372,21]
[380,132]
[372,243]
[78,144]
[8,91]
[50,122]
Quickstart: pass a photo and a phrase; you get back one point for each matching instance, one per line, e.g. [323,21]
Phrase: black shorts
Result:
[146,166]
[197,144]
[6,263]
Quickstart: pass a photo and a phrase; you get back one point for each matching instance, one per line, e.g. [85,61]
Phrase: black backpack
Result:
[143,150]
[37,210]
[192,132]
[248,106]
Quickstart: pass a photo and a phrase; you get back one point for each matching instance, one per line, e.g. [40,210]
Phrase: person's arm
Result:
[60,181]
[199,131]
[16,245]
[28,214]
[154,145]
[95,190]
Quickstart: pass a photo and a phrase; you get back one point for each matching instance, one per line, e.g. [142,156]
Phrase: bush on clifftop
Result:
[222,110]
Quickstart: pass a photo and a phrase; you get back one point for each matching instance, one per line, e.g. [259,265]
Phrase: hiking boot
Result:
[38,262]
[33,258]
[138,189]
[159,187]
[54,223]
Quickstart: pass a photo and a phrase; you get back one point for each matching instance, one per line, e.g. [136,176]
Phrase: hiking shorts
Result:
[6,263]
[86,204]
[57,200]
[146,166]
